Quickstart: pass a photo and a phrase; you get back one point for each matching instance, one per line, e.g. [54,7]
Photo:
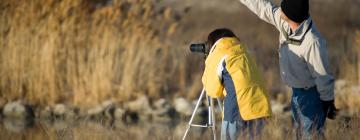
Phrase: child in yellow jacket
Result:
[230,72]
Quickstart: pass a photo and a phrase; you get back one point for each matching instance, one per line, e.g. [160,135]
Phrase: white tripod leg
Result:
[219,104]
[194,112]
[212,118]
[211,115]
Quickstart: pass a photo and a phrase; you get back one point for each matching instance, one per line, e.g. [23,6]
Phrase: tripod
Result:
[211,115]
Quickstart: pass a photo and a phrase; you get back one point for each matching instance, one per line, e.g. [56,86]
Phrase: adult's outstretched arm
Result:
[265,10]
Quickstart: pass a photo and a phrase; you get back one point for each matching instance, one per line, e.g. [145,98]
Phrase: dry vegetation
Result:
[82,52]
[276,128]
[357,51]
[348,96]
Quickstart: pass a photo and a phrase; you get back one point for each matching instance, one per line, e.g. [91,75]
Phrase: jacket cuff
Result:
[327,96]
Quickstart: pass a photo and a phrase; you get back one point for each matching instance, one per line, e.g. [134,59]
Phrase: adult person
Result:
[304,64]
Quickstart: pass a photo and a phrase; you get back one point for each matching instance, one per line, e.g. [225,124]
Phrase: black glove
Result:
[329,109]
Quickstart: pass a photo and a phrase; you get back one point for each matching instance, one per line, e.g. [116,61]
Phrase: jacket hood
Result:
[230,45]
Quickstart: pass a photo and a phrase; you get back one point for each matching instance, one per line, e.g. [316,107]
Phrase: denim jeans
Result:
[307,113]
[246,129]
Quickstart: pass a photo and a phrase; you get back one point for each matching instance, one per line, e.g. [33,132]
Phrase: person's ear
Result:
[283,16]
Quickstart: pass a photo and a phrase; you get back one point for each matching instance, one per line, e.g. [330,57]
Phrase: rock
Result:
[59,110]
[119,113]
[81,113]
[17,125]
[107,104]
[340,84]
[109,108]
[14,109]
[138,110]
[161,108]
[70,114]
[162,111]
[110,112]
[17,110]
[105,109]
[140,105]
[277,108]
[131,117]
[161,103]
[183,106]
[45,113]
[98,110]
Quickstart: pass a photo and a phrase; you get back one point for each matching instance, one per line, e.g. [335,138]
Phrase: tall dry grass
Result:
[347,91]
[357,49]
[83,52]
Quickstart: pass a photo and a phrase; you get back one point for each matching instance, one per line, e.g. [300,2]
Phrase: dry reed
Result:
[357,50]
[84,52]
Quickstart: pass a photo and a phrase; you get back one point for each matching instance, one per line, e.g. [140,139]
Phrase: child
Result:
[231,72]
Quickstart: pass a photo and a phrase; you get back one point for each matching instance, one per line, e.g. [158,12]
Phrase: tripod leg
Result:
[209,101]
[213,122]
[194,112]
[220,104]
[211,116]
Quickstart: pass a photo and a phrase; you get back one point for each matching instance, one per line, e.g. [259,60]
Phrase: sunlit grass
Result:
[277,127]
[82,52]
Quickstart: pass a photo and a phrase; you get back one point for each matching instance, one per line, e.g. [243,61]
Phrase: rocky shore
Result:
[140,109]
[160,110]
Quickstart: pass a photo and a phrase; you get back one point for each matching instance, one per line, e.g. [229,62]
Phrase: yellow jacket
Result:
[229,56]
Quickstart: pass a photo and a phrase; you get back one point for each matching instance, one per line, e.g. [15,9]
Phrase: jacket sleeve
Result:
[212,79]
[265,10]
[318,64]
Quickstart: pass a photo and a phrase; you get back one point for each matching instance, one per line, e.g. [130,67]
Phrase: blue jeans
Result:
[307,113]
[232,130]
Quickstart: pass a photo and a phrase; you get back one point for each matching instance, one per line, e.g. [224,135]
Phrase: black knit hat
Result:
[296,10]
[218,34]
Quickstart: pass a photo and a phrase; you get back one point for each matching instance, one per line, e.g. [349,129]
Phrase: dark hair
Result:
[218,34]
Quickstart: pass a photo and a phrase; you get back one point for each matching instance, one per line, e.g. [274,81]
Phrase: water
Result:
[16,129]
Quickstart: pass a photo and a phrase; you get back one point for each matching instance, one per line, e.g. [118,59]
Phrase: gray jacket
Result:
[302,54]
